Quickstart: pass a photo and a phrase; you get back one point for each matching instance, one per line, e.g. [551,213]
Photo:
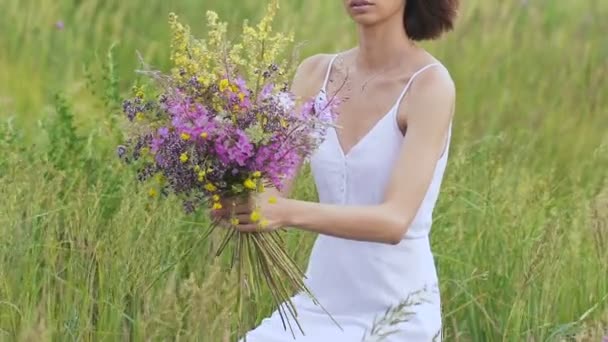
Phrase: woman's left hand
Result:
[260,212]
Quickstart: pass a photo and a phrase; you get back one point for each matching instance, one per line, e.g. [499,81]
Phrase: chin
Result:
[365,19]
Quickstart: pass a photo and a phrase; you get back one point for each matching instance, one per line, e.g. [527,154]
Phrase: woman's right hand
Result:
[255,212]
[232,208]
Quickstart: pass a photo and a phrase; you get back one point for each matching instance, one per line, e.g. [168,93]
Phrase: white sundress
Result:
[356,282]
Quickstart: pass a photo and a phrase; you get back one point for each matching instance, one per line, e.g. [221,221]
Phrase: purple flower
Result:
[59,25]
[190,118]
[240,82]
[159,139]
[121,151]
[234,150]
[163,132]
[243,149]
[266,91]
[276,160]
[323,110]
[130,109]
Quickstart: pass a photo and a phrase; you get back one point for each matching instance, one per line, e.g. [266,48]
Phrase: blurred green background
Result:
[521,229]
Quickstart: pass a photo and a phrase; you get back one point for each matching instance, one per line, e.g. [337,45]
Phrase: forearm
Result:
[377,223]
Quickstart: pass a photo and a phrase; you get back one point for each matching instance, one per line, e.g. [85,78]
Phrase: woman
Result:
[378,177]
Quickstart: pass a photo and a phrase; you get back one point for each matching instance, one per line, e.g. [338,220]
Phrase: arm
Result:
[429,111]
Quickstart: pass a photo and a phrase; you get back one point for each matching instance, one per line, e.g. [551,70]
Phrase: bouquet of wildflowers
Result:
[223,124]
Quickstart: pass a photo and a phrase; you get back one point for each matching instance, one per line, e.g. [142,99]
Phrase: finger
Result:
[234,220]
[242,209]
[235,201]
[220,213]
[243,219]
[234,208]
[228,210]
[249,228]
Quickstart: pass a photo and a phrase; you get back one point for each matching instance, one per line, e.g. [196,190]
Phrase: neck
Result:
[383,45]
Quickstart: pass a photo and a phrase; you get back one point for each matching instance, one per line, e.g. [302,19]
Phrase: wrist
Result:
[286,213]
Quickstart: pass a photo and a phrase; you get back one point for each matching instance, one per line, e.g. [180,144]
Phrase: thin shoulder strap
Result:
[409,83]
[402,95]
[331,63]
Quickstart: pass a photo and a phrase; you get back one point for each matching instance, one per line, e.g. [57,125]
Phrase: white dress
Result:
[358,281]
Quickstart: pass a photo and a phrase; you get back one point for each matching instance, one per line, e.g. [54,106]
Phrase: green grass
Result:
[521,229]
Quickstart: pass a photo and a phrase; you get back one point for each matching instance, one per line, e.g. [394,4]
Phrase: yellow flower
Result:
[204,135]
[152,192]
[257,174]
[210,187]
[217,206]
[236,108]
[139,116]
[283,123]
[216,198]
[185,136]
[197,168]
[201,175]
[241,97]
[272,200]
[234,221]
[224,85]
[139,92]
[249,184]
[160,178]
[184,157]
[255,216]
[263,224]
[145,151]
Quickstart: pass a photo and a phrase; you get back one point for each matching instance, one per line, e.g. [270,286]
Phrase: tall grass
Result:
[521,229]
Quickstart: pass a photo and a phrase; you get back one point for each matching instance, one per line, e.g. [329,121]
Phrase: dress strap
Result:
[402,95]
[327,74]
[409,83]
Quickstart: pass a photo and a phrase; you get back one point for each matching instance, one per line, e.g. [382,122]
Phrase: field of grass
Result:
[521,229]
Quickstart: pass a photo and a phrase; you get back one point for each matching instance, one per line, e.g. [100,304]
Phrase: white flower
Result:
[285,101]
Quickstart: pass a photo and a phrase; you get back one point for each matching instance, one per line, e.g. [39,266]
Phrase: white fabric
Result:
[357,281]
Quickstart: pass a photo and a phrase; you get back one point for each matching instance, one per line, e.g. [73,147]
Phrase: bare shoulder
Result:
[314,63]
[309,75]
[433,91]
[435,81]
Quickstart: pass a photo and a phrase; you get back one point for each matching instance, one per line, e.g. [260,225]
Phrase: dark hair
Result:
[428,19]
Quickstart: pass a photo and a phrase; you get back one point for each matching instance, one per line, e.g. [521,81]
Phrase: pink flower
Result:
[234,150]
[159,139]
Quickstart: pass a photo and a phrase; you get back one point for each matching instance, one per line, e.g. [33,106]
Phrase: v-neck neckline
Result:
[345,154]
[394,108]
[359,142]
